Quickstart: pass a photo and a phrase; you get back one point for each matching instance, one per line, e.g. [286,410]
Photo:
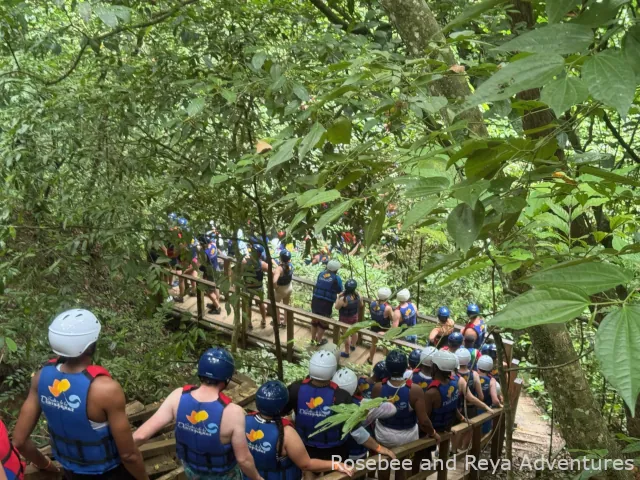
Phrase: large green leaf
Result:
[557,9]
[333,214]
[284,153]
[373,229]
[322,197]
[297,219]
[559,38]
[427,186]
[591,277]
[195,106]
[313,137]
[607,175]
[340,131]
[599,12]
[618,351]
[464,224]
[418,212]
[469,191]
[611,80]
[472,11]
[631,48]
[541,306]
[563,93]
[107,15]
[530,72]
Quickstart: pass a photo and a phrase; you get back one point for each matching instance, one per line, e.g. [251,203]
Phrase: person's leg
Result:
[320,337]
[314,331]
[347,343]
[263,314]
[372,350]
[354,341]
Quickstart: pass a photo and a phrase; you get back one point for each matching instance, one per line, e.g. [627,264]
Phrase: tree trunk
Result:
[418,27]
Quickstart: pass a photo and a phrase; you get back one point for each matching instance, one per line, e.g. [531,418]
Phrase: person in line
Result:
[405,314]
[489,389]
[410,418]
[187,260]
[210,429]
[253,276]
[442,396]
[325,294]
[84,407]
[11,466]
[414,362]
[347,380]
[378,374]
[322,257]
[282,279]
[381,313]
[477,323]
[470,338]
[491,350]
[311,400]
[348,305]
[273,441]
[440,334]
[454,342]
[422,374]
[208,270]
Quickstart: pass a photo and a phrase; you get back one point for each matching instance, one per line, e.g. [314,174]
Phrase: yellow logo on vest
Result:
[59,387]
[197,417]
[254,435]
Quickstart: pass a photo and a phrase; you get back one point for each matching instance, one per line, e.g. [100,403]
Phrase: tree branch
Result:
[330,14]
[621,140]
[13,54]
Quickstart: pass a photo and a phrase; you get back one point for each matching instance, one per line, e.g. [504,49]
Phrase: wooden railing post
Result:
[336,334]
[498,438]
[443,453]
[246,317]
[289,315]
[475,451]
[200,302]
[360,319]
[227,267]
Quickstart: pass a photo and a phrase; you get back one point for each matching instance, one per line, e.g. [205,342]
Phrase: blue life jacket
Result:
[313,407]
[376,309]
[469,377]
[352,307]
[355,449]
[327,286]
[405,418]
[365,387]
[197,432]
[418,378]
[442,418]
[408,315]
[266,440]
[287,274]
[212,254]
[75,444]
[485,382]
[231,250]
[481,331]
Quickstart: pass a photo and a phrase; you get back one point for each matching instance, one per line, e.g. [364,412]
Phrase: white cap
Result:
[464,356]
[333,265]
[444,360]
[403,295]
[346,380]
[485,362]
[73,331]
[426,354]
[384,293]
[322,365]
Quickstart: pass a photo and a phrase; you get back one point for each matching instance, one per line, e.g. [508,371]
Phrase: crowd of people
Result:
[426,393]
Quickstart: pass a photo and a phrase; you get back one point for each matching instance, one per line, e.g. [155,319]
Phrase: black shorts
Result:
[321,307]
[327,453]
[118,473]
[378,329]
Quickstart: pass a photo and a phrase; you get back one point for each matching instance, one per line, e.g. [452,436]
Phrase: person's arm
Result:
[364,438]
[297,452]
[433,335]
[3,476]
[470,397]
[27,420]
[113,402]
[388,312]
[417,401]
[340,302]
[265,266]
[163,417]
[239,442]
[477,385]
[276,275]
[377,388]
[494,393]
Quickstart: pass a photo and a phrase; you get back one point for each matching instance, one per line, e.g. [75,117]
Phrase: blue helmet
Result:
[444,312]
[259,249]
[414,358]
[350,286]
[271,398]
[455,339]
[380,370]
[183,222]
[173,216]
[216,364]
[473,310]
[396,363]
[285,255]
[489,349]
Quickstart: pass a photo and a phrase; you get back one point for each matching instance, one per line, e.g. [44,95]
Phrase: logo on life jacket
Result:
[399,406]
[376,308]
[424,385]
[326,275]
[315,402]
[481,381]
[58,388]
[201,416]
[253,436]
[363,386]
[408,312]
[450,391]
[313,410]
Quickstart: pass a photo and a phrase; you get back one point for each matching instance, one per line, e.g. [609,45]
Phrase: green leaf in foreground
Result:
[310,140]
[322,197]
[340,131]
[611,80]
[332,214]
[418,212]
[195,106]
[591,277]
[355,328]
[284,153]
[564,93]
[464,224]
[541,306]
[557,9]
[618,351]
[560,38]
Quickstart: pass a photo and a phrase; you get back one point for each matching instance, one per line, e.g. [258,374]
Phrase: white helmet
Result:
[426,354]
[322,365]
[464,356]
[403,295]
[73,331]
[444,360]
[332,348]
[384,293]
[333,265]
[346,380]
[485,363]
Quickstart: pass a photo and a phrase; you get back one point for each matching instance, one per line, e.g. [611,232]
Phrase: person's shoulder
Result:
[342,396]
